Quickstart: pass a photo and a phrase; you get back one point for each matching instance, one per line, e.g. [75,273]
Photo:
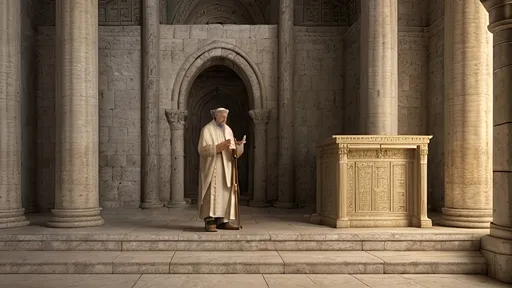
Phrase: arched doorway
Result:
[217,86]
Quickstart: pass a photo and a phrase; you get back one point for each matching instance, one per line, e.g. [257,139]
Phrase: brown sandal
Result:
[210,226]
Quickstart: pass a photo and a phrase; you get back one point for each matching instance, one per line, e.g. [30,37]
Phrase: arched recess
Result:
[230,56]
[188,12]
[218,53]
[225,91]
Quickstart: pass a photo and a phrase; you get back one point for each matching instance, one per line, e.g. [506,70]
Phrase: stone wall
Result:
[412,81]
[119,110]
[436,104]
[179,42]
[28,105]
[120,116]
[318,100]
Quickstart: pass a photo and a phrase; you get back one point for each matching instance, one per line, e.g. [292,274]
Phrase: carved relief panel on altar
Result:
[382,184]
[372,181]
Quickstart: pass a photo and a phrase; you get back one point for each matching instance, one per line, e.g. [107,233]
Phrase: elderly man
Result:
[216,190]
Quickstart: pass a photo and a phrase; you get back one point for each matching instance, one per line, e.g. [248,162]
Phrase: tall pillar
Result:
[11,210]
[497,247]
[150,104]
[176,119]
[379,65]
[468,116]
[77,154]
[285,109]
[260,118]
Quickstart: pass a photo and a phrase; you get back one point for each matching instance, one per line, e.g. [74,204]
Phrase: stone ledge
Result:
[237,262]
[244,242]
[243,245]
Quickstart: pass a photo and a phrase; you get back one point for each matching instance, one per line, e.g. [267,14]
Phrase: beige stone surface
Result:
[372,181]
[286,58]
[77,175]
[256,281]
[226,262]
[150,104]
[11,210]
[497,247]
[379,67]
[468,139]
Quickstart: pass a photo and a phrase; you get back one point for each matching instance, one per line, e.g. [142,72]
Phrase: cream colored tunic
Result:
[216,191]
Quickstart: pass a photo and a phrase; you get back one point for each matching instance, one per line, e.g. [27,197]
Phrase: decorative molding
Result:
[260,116]
[176,118]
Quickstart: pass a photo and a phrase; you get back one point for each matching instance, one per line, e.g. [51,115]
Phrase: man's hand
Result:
[222,146]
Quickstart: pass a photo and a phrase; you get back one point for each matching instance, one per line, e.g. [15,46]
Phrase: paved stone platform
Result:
[249,281]
[264,229]
[273,241]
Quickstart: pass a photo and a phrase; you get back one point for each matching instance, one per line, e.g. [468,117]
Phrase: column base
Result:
[421,223]
[259,204]
[464,218]
[151,205]
[176,204]
[315,219]
[76,218]
[498,253]
[285,205]
[13,218]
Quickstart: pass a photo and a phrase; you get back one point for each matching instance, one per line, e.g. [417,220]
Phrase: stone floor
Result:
[162,222]
[248,281]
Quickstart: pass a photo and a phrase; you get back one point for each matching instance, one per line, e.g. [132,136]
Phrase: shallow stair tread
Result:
[412,257]
[226,257]
[241,257]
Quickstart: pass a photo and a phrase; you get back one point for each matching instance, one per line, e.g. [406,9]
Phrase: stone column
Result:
[497,247]
[379,63]
[285,109]
[260,118]
[468,116]
[11,210]
[150,104]
[176,119]
[77,153]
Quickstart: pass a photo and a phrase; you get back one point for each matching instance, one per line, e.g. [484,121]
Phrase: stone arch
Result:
[185,8]
[218,53]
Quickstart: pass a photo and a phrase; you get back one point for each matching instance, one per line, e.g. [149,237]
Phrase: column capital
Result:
[176,118]
[498,19]
[260,116]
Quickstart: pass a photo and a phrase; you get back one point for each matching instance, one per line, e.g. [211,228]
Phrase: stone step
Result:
[242,262]
[242,241]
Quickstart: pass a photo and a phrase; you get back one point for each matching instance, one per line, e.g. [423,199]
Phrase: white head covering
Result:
[220,109]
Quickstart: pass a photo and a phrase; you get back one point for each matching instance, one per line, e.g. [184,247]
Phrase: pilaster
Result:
[150,104]
[177,120]
[286,57]
[497,247]
[260,118]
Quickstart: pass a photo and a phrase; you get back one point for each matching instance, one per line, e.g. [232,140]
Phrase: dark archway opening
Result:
[217,86]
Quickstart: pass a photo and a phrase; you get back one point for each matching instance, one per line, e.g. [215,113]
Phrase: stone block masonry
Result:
[318,99]
[179,42]
[120,116]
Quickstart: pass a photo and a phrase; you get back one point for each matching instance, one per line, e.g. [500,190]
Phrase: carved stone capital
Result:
[423,149]
[176,118]
[260,116]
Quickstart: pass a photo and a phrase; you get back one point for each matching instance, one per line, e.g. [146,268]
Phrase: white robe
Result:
[216,191]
